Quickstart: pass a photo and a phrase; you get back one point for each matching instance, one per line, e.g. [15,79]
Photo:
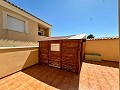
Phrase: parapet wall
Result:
[107,48]
[13,59]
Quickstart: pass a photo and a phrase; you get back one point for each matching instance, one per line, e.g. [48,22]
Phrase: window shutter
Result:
[15,24]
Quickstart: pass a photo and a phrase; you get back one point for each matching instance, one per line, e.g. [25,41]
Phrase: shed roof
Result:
[79,36]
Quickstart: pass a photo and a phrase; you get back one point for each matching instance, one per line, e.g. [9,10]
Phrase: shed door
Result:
[44,47]
[55,53]
[70,55]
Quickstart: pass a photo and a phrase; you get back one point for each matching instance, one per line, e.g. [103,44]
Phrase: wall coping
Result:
[100,39]
[19,47]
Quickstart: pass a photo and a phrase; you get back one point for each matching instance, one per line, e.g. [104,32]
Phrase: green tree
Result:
[90,36]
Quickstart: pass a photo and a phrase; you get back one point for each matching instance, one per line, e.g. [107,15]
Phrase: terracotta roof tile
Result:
[104,38]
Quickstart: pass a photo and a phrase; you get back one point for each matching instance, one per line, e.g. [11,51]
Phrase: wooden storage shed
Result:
[65,52]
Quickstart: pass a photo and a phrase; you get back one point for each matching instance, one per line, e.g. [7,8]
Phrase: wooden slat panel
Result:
[54,56]
[70,55]
[44,52]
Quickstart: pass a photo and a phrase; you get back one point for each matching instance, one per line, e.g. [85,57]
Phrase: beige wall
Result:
[109,49]
[32,34]
[15,59]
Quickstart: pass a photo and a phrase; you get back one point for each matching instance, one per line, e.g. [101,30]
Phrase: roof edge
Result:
[71,37]
[104,38]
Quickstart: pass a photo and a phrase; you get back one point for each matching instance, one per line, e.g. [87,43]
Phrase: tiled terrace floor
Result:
[99,76]
[93,76]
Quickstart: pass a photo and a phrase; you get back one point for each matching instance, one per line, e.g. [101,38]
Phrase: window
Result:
[14,22]
[40,33]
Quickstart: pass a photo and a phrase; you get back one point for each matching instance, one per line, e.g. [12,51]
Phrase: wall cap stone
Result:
[19,47]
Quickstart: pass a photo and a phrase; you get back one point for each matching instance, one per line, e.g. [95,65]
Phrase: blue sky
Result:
[69,17]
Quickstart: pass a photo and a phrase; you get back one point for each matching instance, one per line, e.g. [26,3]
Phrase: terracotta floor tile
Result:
[93,76]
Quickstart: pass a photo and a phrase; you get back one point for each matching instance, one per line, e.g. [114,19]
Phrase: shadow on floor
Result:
[104,63]
[62,79]
[54,77]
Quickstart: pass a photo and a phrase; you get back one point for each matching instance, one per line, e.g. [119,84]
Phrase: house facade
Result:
[17,24]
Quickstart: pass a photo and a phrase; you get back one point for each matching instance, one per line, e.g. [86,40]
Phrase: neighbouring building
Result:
[17,24]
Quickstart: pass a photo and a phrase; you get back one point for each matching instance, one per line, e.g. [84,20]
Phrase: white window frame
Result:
[5,14]
[55,47]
